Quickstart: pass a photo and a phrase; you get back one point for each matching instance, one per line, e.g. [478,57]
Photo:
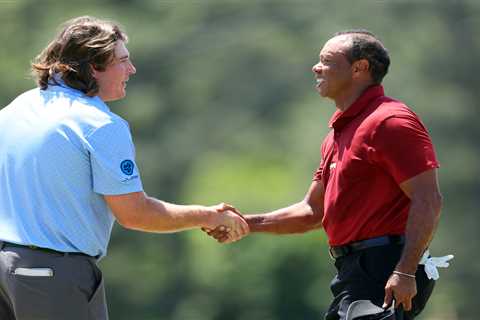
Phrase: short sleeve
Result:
[317,175]
[402,146]
[112,158]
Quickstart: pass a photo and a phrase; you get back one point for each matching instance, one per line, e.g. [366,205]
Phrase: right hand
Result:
[402,289]
[227,223]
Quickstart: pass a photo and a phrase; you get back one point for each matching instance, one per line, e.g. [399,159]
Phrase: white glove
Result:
[431,264]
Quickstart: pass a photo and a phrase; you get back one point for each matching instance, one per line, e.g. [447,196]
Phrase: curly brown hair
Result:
[84,43]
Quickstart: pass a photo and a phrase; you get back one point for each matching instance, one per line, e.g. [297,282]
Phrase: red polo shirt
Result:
[375,145]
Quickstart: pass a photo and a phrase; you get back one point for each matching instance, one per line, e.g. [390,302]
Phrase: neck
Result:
[345,101]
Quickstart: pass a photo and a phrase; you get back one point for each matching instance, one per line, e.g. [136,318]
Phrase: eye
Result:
[325,61]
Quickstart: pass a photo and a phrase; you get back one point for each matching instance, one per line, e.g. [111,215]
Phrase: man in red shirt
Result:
[375,192]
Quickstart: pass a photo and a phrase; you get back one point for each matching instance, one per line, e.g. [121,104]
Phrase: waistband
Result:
[4,244]
[341,251]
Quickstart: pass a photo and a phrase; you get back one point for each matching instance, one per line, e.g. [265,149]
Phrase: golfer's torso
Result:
[362,200]
[45,172]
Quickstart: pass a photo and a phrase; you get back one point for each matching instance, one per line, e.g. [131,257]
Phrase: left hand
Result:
[402,289]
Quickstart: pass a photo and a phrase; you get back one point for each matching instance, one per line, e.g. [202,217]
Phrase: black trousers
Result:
[362,275]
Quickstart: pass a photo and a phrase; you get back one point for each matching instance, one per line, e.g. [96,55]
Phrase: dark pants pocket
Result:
[97,305]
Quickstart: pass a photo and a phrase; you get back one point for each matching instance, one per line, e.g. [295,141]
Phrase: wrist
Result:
[206,216]
[406,268]
[254,222]
[404,274]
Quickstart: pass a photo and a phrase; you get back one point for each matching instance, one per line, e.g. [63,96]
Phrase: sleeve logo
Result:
[127,167]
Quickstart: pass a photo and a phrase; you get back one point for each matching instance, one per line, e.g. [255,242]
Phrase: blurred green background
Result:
[222,108]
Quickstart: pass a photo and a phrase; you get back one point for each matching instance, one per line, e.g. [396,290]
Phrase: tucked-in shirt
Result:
[375,145]
[60,152]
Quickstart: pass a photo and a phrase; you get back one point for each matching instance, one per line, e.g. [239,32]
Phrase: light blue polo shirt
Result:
[60,151]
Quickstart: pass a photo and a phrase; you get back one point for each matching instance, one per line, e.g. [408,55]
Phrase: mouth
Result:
[318,82]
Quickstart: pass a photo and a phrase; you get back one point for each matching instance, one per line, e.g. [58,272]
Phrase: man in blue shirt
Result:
[68,171]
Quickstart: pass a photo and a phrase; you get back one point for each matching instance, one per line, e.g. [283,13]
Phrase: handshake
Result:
[226,224]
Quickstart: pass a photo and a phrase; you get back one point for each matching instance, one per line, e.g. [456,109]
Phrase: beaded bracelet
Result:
[404,274]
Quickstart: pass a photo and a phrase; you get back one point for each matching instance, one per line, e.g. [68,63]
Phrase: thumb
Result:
[388,298]
[222,207]
[229,207]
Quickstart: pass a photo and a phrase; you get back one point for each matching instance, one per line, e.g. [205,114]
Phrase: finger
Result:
[218,234]
[398,302]
[222,236]
[245,228]
[236,211]
[227,207]
[407,304]
[388,298]
[220,229]
[223,239]
[241,227]
[235,235]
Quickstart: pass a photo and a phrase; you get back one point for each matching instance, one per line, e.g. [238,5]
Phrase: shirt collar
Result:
[56,80]
[341,118]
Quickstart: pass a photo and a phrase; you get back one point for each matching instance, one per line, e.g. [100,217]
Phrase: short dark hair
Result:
[365,45]
[83,43]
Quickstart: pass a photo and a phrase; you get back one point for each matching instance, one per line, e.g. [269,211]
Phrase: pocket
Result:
[33,272]
[377,264]
[97,305]
[31,291]
[367,271]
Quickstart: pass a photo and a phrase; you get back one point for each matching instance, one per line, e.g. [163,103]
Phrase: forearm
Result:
[297,218]
[422,222]
[153,215]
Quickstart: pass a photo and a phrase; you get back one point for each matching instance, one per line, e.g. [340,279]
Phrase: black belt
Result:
[4,244]
[341,251]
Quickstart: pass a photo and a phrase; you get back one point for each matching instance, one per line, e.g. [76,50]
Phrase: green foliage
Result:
[222,108]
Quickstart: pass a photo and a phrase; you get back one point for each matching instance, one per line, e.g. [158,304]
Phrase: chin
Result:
[119,96]
[322,93]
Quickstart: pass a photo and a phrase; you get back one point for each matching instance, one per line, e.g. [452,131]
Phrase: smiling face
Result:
[333,72]
[112,81]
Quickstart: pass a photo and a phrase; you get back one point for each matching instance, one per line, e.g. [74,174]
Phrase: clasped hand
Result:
[228,224]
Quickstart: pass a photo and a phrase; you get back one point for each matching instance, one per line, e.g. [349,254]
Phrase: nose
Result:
[317,68]
[132,69]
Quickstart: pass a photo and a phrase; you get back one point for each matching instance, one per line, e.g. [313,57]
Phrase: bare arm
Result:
[140,212]
[301,217]
[423,217]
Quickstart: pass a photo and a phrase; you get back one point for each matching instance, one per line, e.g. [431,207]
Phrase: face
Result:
[333,72]
[112,82]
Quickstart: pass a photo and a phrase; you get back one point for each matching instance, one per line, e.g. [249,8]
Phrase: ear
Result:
[95,72]
[360,67]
